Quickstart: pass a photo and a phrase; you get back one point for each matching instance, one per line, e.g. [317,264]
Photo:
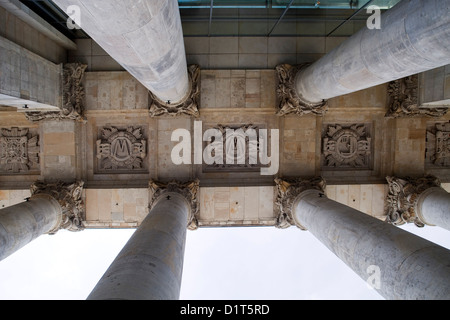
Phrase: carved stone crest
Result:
[73,96]
[189,105]
[189,190]
[19,151]
[290,101]
[287,190]
[69,197]
[239,146]
[121,149]
[403,196]
[347,146]
[404,100]
[438,145]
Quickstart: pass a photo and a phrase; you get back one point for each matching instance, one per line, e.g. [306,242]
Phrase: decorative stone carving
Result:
[290,101]
[19,151]
[404,100]
[189,105]
[287,190]
[69,197]
[438,145]
[189,190]
[402,198]
[347,146]
[73,96]
[238,143]
[121,149]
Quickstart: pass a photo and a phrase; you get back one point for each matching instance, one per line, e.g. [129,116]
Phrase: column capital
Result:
[291,101]
[188,190]
[72,96]
[287,192]
[403,197]
[404,100]
[188,105]
[68,195]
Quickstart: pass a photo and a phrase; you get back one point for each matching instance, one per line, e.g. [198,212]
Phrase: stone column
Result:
[50,208]
[407,266]
[150,265]
[413,38]
[145,37]
[421,201]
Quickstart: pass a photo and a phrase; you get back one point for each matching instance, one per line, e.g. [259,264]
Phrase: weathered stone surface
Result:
[69,198]
[401,201]
[19,151]
[188,190]
[287,191]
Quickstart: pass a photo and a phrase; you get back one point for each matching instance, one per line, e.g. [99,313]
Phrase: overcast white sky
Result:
[223,263]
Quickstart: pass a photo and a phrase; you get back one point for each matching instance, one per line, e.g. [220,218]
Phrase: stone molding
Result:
[19,151]
[438,145]
[404,100]
[121,149]
[402,198]
[189,190]
[69,198]
[287,191]
[188,106]
[289,100]
[73,94]
[347,146]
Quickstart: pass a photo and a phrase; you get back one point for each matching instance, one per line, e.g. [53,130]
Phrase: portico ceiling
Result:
[249,17]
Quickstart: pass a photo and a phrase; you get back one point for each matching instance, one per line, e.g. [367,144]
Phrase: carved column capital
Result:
[404,100]
[189,105]
[73,94]
[402,198]
[68,195]
[291,101]
[189,190]
[287,191]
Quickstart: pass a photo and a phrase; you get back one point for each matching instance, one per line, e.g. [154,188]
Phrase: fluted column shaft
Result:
[410,267]
[414,37]
[24,222]
[150,265]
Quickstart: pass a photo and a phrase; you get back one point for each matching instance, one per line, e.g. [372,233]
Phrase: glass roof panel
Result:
[296,4]
[249,17]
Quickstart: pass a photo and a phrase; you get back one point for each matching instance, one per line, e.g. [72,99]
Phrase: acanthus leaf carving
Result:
[189,190]
[290,101]
[73,94]
[401,200]
[404,100]
[188,106]
[69,196]
[287,191]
